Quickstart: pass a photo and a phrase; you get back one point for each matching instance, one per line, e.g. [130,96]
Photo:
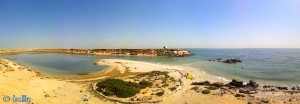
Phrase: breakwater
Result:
[123,52]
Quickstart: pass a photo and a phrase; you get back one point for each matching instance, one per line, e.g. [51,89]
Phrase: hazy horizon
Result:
[149,24]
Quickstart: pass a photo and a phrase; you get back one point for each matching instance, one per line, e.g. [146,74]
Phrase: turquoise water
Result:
[57,64]
[266,66]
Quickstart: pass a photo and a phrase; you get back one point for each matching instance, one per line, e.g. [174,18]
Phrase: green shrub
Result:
[120,88]
[212,88]
[172,79]
[239,95]
[195,88]
[160,93]
[165,85]
[205,83]
[154,73]
[108,93]
[173,88]
[144,84]
[205,92]
[137,85]
[117,87]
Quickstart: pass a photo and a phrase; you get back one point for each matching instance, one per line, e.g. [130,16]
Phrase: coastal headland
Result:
[186,85]
[113,52]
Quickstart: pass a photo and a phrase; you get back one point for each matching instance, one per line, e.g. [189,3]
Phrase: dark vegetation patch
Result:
[205,83]
[154,73]
[205,92]
[120,88]
[160,93]
[143,84]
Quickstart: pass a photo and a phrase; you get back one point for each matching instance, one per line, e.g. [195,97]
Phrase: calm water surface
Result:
[267,66]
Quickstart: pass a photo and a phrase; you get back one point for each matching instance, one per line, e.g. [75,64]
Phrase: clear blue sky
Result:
[149,23]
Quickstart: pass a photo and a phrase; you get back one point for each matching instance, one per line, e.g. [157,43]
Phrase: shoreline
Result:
[118,68]
[199,74]
[178,72]
[83,83]
[20,51]
[226,78]
[43,88]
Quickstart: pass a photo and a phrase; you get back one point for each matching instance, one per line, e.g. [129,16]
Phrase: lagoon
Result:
[266,66]
[56,63]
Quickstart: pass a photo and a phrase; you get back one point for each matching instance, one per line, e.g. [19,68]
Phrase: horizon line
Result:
[149,48]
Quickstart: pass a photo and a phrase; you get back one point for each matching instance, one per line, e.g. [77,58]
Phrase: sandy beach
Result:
[150,52]
[18,80]
[41,88]
[183,96]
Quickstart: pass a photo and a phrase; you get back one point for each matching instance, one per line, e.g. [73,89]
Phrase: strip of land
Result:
[111,52]
[184,94]
[42,88]
[16,79]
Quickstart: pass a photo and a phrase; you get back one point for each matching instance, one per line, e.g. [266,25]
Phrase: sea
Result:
[265,66]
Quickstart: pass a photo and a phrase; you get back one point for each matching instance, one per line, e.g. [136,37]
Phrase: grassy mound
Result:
[120,88]
[154,73]
[143,84]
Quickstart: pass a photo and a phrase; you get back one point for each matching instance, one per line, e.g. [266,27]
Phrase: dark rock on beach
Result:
[252,91]
[217,84]
[282,88]
[206,83]
[252,84]
[236,83]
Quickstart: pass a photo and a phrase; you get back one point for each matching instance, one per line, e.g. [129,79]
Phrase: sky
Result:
[149,24]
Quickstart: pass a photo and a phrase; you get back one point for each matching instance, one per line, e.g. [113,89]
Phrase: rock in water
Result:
[228,61]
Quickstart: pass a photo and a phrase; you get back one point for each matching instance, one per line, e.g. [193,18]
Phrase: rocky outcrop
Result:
[228,61]
[235,83]
[251,91]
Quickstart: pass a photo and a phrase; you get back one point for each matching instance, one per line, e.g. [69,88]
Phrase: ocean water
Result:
[266,66]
